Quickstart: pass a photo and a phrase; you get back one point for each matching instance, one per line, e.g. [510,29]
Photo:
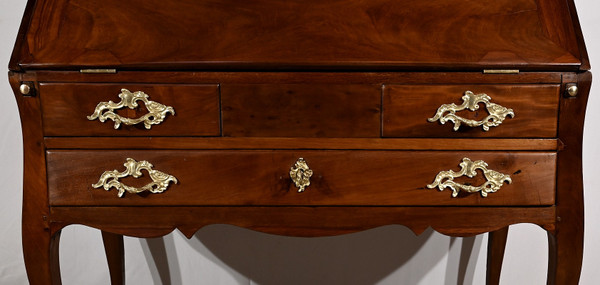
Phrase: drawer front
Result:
[263,178]
[66,107]
[408,109]
[301,110]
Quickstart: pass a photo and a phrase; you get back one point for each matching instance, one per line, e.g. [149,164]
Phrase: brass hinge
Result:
[98,71]
[501,71]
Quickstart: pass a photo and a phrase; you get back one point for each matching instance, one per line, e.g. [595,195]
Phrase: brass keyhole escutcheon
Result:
[300,174]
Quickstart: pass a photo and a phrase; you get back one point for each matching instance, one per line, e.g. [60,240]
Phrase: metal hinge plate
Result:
[98,71]
[501,71]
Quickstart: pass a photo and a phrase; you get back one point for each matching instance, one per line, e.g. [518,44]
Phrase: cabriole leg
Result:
[564,257]
[40,251]
[115,256]
[496,246]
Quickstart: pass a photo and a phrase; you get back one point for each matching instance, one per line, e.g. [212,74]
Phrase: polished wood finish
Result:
[308,221]
[347,85]
[65,108]
[40,246]
[115,255]
[566,244]
[495,255]
[301,110]
[385,178]
[461,34]
[407,108]
[304,143]
[296,77]
[573,18]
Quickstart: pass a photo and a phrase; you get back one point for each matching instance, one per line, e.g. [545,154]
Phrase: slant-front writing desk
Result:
[304,118]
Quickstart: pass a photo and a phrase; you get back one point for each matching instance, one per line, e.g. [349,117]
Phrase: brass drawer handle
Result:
[160,180]
[497,113]
[494,179]
[156,111]
[300,174]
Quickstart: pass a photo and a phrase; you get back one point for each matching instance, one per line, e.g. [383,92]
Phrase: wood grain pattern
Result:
[495,255]
[115,256]
[40,246]
[566,244]
[561,24]
[21,48]
[301,110]
[65,108]
[462,34]
[301,78]
[299,221]
[303,143]
[305,77]
[407,108]
[574,18]
[262,178]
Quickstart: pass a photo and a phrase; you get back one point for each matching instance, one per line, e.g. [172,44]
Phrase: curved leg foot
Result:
[496,246]
[115,256]
[565,257]
[40,251]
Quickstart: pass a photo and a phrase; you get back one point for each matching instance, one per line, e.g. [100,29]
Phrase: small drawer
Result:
[301,110]
[517,110]
[386,178]
[68,109]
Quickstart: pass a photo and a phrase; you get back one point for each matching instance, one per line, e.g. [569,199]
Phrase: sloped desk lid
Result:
[300,35]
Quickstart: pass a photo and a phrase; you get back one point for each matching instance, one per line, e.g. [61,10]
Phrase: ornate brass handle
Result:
[300,174]
[497,113]
[160,180]
[494,179]
[156,111]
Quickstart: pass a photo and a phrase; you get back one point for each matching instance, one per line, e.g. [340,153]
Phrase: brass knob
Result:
[572,90]
[25,89]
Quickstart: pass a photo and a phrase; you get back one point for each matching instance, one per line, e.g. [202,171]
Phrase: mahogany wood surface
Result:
[115,255]
[461,34]
[65,108]
[495,255]
[306,221]
[407,108]
[304,143]
[557,25]
[346,85]
[566,244]
[300,77]
[262,178]
[301,110]
[574,18]
[40,247]
[296,145]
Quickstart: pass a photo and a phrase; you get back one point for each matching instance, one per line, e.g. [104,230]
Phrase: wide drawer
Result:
[68,109]
[256,177]
[523,110]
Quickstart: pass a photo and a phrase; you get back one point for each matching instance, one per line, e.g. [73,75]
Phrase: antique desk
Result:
[304,118]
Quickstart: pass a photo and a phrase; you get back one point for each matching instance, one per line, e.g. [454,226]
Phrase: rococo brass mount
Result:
[471,101]
[160,180]
[300,174]
[156,111]
[495,179]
